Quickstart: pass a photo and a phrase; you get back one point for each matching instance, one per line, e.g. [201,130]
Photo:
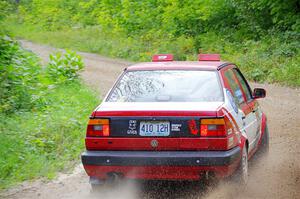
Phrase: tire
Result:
[264,147]
[241,176]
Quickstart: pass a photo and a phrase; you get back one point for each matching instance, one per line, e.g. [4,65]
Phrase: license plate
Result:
[154,128]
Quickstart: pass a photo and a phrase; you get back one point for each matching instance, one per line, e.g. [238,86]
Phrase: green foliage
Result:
[257,16]
[19,73]
[246,19]
[6,7]
[175,17]
[22,80]
[43,118]
[50,15]
[41,142]
[262,36]
[64,67]
[272,59]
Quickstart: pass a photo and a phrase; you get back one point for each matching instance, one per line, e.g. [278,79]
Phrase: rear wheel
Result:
[264,148]
[241,175]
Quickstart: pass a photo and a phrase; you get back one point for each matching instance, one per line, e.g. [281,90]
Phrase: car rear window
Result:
[167,86]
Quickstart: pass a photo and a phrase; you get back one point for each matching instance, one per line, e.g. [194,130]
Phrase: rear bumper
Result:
[160,164]
[160,158]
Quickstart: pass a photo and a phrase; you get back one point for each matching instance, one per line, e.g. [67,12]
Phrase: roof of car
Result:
[180,65]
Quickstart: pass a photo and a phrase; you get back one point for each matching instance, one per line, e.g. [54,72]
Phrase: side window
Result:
[244,84]
[235,88]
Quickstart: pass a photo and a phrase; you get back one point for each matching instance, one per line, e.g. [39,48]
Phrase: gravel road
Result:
[274,176]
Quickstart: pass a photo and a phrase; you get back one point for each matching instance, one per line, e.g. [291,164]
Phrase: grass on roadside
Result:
[42,142]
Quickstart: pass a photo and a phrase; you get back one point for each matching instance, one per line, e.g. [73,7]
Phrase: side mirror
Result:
[259,93]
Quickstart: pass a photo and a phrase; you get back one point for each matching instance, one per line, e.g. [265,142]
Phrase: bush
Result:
[23,82]
[64,67]
[41,142]
[19,74]
[43,113]
[5,9]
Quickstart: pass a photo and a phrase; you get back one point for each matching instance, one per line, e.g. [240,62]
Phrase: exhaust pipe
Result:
[96,181]
[114,177]
[207,175]
[208,178]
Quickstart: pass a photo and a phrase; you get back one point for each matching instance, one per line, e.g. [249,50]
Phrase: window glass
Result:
[167,86]
[235,88]
[243,84]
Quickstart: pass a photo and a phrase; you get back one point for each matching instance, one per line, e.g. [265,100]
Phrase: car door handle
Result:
[242,114]
[254,110]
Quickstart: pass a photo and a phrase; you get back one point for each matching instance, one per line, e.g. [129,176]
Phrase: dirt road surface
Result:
[274,176]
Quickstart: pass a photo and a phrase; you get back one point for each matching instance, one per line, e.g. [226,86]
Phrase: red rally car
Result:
[176,120]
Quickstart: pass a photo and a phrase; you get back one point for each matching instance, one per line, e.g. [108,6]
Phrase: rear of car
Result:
[168,121]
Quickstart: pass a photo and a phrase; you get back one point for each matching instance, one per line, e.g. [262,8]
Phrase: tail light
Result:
[98,128]
[219,128]
[213,128]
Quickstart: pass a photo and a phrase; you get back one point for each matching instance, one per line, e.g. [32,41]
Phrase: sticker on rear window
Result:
[238,93]
[231,100]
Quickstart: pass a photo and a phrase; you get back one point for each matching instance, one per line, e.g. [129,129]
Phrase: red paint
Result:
[244,106]
[203,130]
[242,143]
[209,57]
[263,128]
[229,117]
[165,144]
[253,104]
[162,57]
[161,172]
[237,135]
[222,75]
[193,127]
[240,85]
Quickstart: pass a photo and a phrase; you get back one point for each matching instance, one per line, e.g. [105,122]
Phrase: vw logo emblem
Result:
[154,143]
